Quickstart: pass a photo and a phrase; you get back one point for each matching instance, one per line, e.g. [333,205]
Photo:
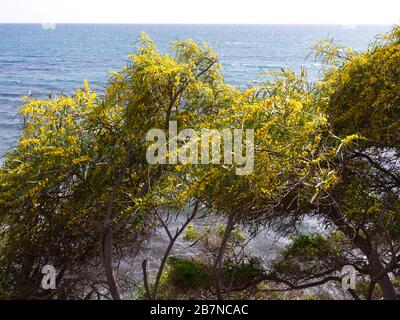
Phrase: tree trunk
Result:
[172,240]
[369,251]
[107,241]
[384,281]
[107,233]
[219,262]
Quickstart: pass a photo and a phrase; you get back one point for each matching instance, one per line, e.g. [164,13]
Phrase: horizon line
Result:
[205,23]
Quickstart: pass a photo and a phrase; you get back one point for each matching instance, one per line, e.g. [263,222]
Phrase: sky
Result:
[202,11]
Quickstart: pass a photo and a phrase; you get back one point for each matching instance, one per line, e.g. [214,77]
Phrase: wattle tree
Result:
[77,191]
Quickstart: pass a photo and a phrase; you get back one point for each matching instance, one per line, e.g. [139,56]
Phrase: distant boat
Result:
[48,26]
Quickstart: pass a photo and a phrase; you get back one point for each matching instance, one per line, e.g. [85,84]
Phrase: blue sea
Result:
[38,61]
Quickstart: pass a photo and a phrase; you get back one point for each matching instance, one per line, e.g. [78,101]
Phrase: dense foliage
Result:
[77,192]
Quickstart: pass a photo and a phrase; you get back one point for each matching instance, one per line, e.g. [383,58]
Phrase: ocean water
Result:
[37,61]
